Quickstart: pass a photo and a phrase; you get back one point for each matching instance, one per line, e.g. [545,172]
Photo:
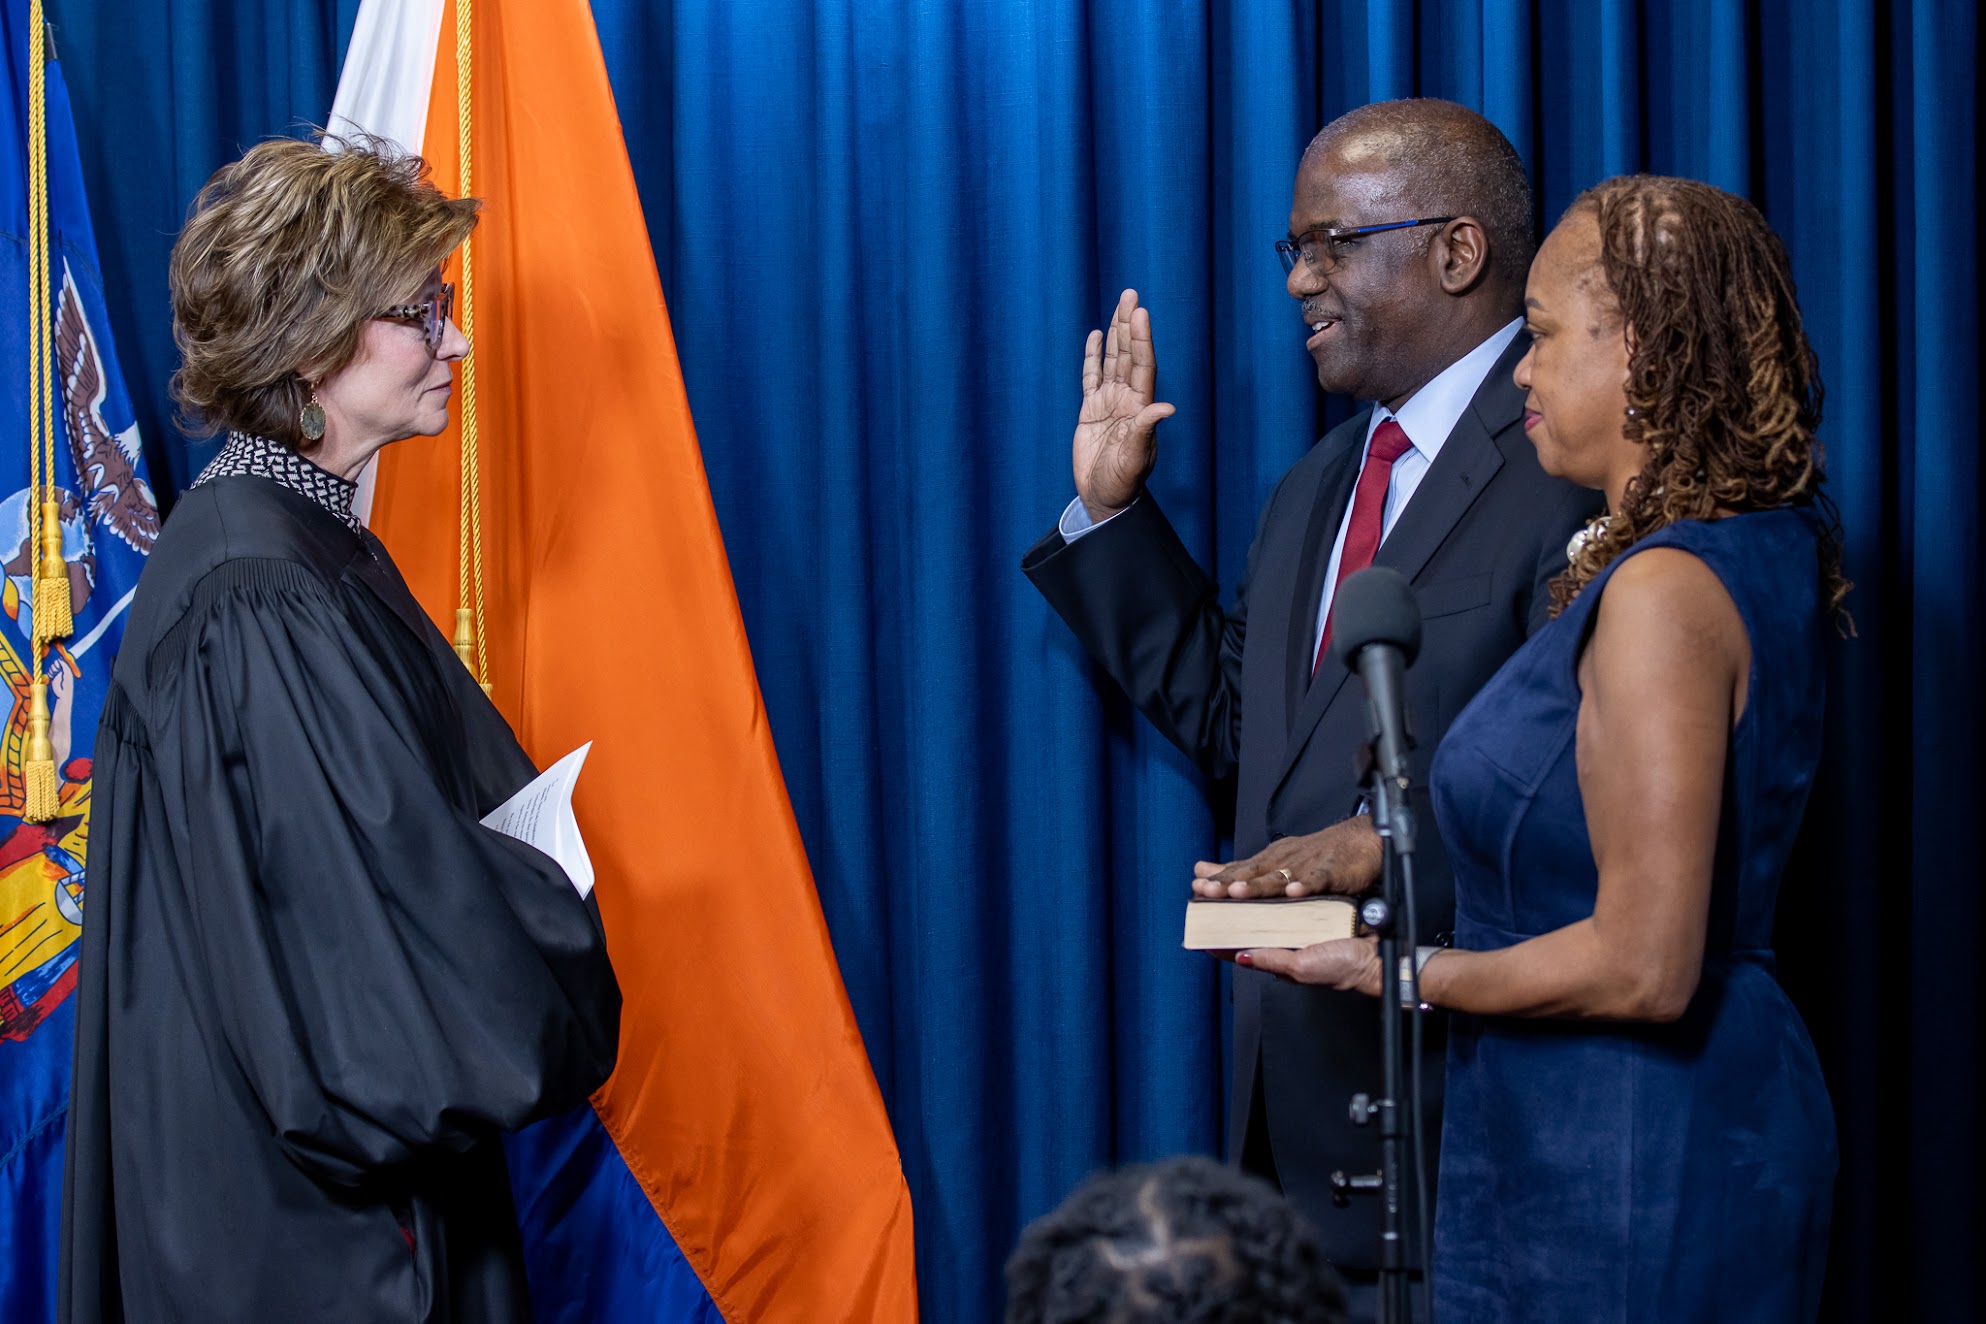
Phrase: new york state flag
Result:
[108,523]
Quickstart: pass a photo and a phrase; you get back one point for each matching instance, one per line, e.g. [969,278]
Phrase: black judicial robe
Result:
[314,990]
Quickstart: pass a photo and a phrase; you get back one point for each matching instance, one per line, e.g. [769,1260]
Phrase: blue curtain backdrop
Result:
[169,93]
[884,229]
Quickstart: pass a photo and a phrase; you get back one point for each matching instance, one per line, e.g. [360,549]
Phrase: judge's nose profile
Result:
[350,988]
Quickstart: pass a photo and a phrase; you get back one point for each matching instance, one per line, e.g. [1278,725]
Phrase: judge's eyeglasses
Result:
[431,316]
[1324,247]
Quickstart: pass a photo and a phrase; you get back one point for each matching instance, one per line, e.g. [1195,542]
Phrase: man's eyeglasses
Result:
[431,316]
[1323,247]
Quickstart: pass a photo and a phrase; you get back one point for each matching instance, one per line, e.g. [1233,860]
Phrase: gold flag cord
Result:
[469,624]
[50,617]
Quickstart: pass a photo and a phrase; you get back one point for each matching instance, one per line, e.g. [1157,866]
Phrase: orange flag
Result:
[743,1105]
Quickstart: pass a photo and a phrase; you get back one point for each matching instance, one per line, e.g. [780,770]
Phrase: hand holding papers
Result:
[540,815]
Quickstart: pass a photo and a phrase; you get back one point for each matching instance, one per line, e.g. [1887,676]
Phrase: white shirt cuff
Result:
[1076,521]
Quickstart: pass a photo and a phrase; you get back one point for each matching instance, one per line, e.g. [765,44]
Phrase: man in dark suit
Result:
[1411,233]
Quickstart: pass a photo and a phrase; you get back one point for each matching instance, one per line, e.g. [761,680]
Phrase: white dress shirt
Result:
[1427,418]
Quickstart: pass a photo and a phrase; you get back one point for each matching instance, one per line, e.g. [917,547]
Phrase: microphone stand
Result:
[1386,915]
[1393,817]
[1379,634]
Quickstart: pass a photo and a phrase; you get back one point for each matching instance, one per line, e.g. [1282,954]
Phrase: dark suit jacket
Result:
[1484,533]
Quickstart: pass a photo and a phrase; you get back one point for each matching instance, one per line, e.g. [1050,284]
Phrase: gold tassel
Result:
[53,617]
[39,768]
[465,637]
[465,645]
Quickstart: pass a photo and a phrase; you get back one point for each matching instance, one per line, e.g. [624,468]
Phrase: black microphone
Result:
[1376,631]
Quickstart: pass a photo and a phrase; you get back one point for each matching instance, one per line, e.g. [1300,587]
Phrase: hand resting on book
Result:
[1343,859]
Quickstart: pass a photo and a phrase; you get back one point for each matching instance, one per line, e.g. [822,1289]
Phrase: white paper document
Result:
[541,815]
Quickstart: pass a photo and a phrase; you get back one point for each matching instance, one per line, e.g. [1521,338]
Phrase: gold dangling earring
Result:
[310,419]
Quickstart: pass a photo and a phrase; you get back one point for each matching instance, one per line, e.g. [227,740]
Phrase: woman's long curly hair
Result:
[1723,390]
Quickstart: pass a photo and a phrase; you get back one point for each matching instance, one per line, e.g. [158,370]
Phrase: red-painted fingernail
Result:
[1244,958]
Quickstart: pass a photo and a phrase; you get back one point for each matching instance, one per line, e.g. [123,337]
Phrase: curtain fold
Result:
[165,95]
[884,231]
[1946,638]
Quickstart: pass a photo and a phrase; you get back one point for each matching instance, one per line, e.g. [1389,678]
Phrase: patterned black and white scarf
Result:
[246,454]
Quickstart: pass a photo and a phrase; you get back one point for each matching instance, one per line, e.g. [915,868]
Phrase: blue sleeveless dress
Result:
[1609,1173]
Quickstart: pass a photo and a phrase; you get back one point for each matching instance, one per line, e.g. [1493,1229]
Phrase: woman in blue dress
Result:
[1636,1128]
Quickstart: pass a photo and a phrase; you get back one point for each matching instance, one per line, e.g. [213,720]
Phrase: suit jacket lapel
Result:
[1469,458]
[1327,512]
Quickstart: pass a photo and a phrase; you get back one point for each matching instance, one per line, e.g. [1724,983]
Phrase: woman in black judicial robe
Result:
[314,990]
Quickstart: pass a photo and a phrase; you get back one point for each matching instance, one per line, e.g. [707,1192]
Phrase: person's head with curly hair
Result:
[1669,368]
[1186,1241]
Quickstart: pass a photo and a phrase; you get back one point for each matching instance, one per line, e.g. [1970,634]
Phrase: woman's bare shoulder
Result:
[1663,606]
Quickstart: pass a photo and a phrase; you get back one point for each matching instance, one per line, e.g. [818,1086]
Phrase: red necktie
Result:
[1368,517]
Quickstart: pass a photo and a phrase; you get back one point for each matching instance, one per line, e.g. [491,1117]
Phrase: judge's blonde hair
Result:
[285,256]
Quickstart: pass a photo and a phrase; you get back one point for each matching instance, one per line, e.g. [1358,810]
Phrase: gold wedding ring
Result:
[1288,877]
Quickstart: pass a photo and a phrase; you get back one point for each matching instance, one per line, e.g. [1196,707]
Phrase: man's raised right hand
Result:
[1114,446]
